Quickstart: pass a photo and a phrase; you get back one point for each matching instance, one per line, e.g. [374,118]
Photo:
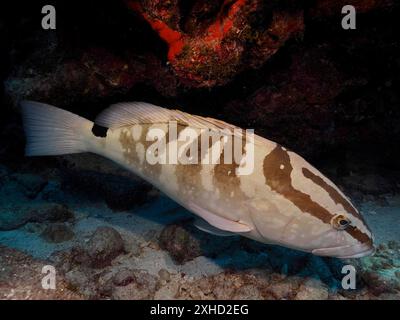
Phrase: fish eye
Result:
[340,222]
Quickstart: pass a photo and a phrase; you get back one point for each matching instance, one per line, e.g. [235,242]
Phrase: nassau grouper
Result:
[281,200]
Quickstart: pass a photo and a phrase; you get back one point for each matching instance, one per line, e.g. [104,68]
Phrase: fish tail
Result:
[53,131]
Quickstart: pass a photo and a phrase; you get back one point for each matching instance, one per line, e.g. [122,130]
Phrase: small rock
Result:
[223,286]
[143,278]
[167,292]
[77,255]
[80,281]
[104,286]
[193,291]
[376,283]
[57,232]
[312,289]
[133,247]
[142,287]
[204,286]
[285,289]
[164,275]
[62,260]
[123,277]
[180,244]
[77,278]
[247,292]
[130,292]
[104,245]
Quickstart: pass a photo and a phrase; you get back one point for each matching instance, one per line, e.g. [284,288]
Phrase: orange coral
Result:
[228,45]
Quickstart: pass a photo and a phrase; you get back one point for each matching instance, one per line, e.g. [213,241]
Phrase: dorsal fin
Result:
[130,113]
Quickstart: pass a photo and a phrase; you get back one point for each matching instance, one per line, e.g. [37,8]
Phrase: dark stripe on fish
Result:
[280,181]
[333,193]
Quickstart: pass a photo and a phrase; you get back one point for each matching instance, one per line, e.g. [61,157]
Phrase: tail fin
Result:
[53,131]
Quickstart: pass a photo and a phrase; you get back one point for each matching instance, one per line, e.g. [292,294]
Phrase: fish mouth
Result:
[346,252]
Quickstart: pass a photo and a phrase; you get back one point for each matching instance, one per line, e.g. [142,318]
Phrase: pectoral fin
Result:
[219,222]
[203,225]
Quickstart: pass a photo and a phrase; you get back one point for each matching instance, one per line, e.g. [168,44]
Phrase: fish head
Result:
[319,218]
[343,236]
[344,239]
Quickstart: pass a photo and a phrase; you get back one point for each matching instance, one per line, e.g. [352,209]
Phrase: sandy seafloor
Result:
[164,257]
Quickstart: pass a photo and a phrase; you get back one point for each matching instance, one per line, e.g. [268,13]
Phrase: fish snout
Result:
[348,251]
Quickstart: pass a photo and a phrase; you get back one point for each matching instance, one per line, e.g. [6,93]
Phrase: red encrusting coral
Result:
[172,37]
[222,25]
[231,43]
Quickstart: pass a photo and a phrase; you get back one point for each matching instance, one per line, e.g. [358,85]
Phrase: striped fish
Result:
[284,200]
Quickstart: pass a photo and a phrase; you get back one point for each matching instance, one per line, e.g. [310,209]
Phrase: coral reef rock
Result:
[180,243]
[57,232]
[103,246]
[21,278]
